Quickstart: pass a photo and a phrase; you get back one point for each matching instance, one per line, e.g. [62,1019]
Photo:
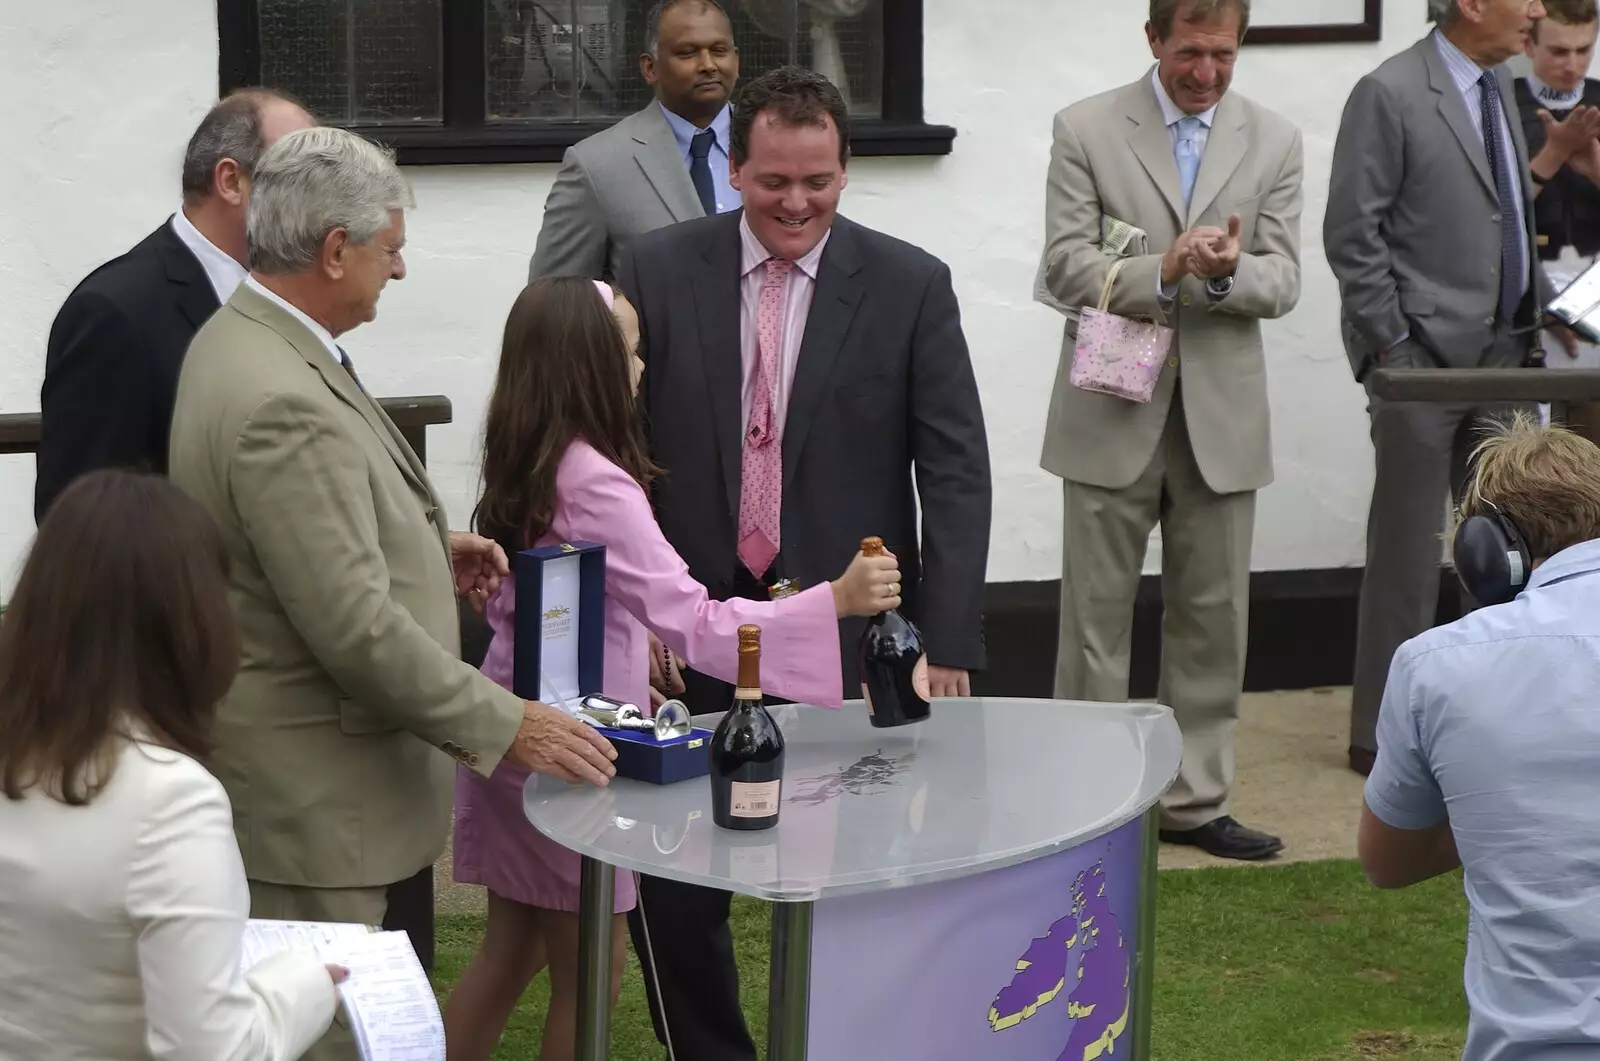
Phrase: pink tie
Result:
[761,472]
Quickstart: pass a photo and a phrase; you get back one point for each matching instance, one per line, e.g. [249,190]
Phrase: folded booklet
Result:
[393,1012]
[1118,239]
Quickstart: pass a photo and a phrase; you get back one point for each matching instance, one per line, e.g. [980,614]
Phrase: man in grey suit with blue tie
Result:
[664,164]
[1430,232]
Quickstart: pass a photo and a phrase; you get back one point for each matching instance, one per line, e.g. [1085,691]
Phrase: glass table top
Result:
[984,783]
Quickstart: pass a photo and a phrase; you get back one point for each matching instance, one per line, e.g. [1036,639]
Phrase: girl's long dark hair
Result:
[565,373]
[120,628]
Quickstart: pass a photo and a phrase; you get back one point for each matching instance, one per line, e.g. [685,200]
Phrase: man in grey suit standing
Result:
[1214,182]
[1430,232]
[664,164]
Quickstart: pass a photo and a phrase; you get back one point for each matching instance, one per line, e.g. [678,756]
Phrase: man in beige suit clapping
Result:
[1212,180]
[338,741]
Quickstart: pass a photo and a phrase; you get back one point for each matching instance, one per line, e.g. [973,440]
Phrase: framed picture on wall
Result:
[1314,21]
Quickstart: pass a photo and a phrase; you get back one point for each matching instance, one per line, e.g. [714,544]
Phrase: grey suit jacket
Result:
[1412,230]
[1113,155]
[617,184]
[883,414]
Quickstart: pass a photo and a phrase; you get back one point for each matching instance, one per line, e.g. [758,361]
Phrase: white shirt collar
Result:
[322,334]
[1171,113]
[753,252]
[224,273]
[1554,97]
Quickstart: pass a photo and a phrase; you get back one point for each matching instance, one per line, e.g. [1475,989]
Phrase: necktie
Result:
[344,359]
[1188,154]
[1510,231]
[700,169]
[761,471]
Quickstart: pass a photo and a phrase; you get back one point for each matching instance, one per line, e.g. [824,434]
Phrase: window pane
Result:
[355,62]
[579,59]
[845,43]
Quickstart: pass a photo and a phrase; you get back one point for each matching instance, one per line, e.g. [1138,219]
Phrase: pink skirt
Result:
[496,847]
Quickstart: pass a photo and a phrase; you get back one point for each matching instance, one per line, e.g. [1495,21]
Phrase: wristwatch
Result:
[1220,286]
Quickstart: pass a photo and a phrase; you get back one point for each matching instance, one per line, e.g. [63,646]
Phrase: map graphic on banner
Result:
[1081,963]
[1029,962]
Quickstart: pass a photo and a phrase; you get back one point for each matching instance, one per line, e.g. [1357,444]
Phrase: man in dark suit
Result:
[111,366]
[806,381]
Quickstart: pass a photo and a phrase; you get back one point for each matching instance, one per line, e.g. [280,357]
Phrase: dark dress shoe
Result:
[1226,838]
[1361,760]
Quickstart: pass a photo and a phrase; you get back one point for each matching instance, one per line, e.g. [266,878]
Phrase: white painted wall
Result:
[103,94]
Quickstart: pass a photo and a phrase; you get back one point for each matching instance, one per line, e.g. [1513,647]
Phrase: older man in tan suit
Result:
[338,741]
[1211,181]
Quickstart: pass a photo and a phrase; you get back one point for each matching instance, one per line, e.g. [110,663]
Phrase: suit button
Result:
[1488,322]
[1172,362]
[1495,218]
[451,746]
[1186,300]
[472,759]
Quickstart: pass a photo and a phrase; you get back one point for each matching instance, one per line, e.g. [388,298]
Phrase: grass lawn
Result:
[1304,962]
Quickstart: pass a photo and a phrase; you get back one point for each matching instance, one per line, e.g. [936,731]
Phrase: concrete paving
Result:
[1292,780]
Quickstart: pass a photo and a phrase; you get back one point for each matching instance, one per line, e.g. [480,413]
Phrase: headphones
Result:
[1491,559]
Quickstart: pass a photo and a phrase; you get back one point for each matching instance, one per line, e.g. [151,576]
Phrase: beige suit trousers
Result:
[1205,579]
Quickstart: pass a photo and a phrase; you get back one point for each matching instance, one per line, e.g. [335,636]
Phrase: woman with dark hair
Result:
[565,459]
[122,894]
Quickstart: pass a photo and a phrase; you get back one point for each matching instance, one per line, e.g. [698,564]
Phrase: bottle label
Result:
[754,799]
[919,677]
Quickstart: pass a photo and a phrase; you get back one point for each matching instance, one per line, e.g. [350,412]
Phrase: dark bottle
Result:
[747,750]
[891,664]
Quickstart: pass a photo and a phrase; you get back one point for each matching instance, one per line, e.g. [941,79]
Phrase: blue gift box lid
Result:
[528,624]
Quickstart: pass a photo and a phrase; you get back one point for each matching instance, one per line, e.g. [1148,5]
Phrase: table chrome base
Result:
[788,998]
[597,889]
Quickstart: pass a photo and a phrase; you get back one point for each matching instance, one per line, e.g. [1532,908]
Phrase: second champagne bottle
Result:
[892,664]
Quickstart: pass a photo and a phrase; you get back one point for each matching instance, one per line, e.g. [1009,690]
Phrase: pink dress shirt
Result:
[796,308]
[647,588]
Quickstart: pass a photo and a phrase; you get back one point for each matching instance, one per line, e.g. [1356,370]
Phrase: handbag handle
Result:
[1111,278]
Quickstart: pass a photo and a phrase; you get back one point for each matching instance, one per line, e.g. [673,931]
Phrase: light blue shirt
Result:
[1172,114]
[722,126]
[1466,74]
[1494,721]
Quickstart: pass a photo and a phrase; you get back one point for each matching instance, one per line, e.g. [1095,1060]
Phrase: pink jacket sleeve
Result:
[799,634]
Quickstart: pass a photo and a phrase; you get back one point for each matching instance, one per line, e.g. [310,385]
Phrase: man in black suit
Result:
[111,367]
[806,382]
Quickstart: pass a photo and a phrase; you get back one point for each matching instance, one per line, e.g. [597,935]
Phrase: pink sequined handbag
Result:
[1117,355]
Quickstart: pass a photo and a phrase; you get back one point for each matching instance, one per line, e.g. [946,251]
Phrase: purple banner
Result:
[1029,963]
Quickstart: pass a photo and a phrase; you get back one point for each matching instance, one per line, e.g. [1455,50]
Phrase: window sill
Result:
[436,146]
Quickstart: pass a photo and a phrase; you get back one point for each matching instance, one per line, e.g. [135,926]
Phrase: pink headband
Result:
[608,296]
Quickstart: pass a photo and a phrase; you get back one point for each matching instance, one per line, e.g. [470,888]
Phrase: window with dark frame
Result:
[461,81]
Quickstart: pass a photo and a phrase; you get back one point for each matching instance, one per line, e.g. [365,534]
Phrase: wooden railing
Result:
[19,432]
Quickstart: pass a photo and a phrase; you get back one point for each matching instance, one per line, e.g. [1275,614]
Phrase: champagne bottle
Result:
[891,664]
[747,750]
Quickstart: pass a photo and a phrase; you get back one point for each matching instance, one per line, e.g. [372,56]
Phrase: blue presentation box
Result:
[643,758]
[560,633]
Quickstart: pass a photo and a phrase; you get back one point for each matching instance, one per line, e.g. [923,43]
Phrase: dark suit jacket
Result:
[111,367]
[883,389]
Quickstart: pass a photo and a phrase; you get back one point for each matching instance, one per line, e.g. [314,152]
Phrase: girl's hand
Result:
[871,584]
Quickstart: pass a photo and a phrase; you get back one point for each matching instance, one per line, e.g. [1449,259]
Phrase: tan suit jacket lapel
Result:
[1226,145]
[309,347]
[1152,146]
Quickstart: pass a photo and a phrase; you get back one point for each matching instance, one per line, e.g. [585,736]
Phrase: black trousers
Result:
[697,979]
[410,910]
